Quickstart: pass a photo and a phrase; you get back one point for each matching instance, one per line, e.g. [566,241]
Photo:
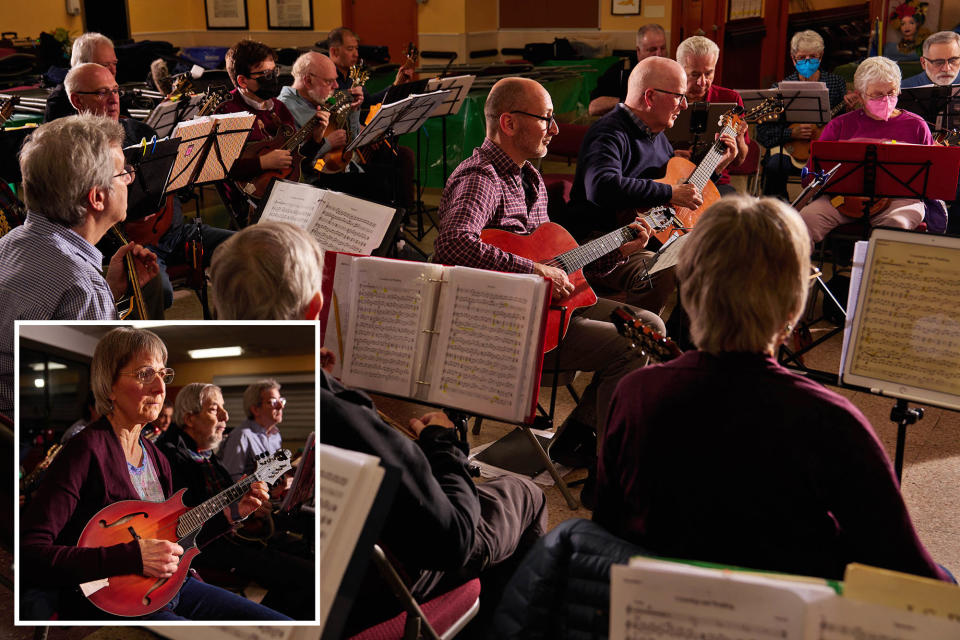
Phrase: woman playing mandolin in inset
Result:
[877,84]
[105,463]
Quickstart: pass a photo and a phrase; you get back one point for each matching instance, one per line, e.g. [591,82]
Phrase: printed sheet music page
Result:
[907,324]
[485,357]
[391,303]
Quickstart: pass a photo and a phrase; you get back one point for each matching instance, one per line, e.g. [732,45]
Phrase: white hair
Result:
[877,68]
[57,189]
[301,67]
[85,46]
[941,37]
[697,46]
[253,395]
[268,271]
[190,400]
[808,40]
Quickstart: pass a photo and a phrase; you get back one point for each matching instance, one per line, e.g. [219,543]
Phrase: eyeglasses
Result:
[145,375]
[682,97]
[269,74]
[331,81]
[942,62]
[103,94]
[276,403]
[548,119]
[880,96]
[127,174]
[808,56]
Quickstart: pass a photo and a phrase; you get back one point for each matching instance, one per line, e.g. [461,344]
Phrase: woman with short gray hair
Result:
[723,455]
[877,84]
[112,461]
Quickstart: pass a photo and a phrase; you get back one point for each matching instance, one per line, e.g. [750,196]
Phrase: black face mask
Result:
[268,86]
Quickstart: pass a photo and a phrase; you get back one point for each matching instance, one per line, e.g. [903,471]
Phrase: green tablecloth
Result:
[466,129]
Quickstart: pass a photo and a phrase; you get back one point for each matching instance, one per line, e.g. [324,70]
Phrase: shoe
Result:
[575,445]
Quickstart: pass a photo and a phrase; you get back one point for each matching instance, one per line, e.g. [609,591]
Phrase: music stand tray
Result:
[458,86]
[398,118]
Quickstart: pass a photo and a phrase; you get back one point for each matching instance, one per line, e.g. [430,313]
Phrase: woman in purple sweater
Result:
[877,84]
[723,455]
[107,462]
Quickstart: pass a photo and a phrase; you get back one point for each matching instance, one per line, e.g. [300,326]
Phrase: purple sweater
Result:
[88,474]
[906,127]
[733,459]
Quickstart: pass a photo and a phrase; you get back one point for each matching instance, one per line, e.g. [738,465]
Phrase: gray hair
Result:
[877,68]
[647,28]
[301,66]
[56,189]
[191,398]
[808,40]
[114,351]
[941,37]
[85,46]
[730,308]
[72,82]
[252,394]
[268,271]
[335,37]
[697,46]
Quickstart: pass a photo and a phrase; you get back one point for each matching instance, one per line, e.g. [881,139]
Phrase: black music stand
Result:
[166,115]
[395,119]
[153,161]
[938,105]
[698,125]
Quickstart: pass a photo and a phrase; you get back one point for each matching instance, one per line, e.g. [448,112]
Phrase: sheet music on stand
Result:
[803,102]
[153,161]
[166,115]
[209,146]
[458,86]
[303,480]
[938,105]
[398,118]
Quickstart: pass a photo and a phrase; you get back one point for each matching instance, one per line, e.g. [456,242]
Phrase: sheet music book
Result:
[458,86]
[468,339]
[232,131]
[659,599]
[349,482]
[338,221]
[166,115]
[905,335]
[902,591]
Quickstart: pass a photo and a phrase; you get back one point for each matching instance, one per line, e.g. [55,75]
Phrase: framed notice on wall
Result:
[226,14]
[289,14]
[625,7]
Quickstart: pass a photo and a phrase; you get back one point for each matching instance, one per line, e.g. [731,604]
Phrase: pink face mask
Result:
[881,107]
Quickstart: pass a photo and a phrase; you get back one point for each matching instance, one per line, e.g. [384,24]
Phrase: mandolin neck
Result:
[193,519]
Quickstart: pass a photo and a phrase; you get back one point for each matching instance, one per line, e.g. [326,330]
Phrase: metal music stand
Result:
[697,125]
[938,105]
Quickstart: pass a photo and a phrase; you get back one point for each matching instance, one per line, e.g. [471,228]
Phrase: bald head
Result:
[652,73]
[91,88]
[511,94]
[314,76]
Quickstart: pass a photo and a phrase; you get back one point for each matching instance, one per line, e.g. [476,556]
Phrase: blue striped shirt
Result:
[47,272]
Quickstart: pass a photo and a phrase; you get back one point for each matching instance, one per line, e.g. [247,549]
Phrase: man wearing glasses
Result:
[93,89]
[498,188]
[89,47]
[621,157]
[940,61]
[49,266]
[259,433]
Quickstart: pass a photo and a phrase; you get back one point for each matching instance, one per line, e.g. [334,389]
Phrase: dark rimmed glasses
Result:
[548,119]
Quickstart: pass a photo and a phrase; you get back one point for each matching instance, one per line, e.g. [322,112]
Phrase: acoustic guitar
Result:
[290,140]
[947,137]
[138,595]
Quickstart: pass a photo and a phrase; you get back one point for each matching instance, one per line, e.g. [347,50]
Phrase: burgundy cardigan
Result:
[88,474]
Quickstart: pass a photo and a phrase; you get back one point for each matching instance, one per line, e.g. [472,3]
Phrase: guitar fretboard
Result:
[701,175]
[576,259]
[193,519]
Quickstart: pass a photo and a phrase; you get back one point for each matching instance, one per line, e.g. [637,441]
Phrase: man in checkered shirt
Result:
[497,187]
[49,267]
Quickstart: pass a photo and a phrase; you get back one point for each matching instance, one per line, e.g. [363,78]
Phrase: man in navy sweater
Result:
[620,159]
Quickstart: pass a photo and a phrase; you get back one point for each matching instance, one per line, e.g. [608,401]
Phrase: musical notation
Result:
[484,350]
[385,332]
[649,623]
[909,325]
[341,229]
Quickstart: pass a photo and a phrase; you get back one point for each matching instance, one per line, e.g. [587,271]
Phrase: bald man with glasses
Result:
[621,157]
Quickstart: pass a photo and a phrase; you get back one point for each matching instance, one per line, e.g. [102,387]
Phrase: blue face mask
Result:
[808,67]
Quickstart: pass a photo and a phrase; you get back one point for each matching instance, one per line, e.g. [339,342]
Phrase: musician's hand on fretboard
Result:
[146,264]
[276,159]
[686,195]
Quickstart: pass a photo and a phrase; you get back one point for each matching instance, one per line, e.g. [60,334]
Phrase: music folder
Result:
[208,148]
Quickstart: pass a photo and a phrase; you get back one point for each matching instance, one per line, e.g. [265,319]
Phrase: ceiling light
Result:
[216,352]
[38,366]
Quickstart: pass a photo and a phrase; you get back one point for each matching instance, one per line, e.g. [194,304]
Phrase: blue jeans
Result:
[198,600]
